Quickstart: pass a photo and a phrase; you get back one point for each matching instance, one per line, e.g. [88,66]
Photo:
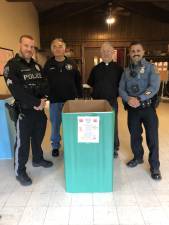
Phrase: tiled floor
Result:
[136,199]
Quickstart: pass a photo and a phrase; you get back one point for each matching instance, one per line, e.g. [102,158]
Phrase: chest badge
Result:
[68,67]
[142,69]
[37,67]
[52,68]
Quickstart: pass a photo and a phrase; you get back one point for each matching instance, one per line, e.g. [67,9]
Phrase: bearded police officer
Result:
[138,88]
[64,84]
[24,79]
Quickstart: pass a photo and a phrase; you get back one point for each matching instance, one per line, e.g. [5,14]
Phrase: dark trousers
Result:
[30,129]
[147,117]
[116,137]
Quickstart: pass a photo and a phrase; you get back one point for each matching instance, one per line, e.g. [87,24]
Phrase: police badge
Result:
[142,70]
[68,66]
[37,67]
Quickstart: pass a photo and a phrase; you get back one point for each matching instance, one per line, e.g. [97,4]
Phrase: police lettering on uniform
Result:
[64,84]
[138,88]
[28,86]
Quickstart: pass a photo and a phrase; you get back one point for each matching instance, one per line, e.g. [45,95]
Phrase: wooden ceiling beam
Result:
[61,9]
[65,11]
[148,9]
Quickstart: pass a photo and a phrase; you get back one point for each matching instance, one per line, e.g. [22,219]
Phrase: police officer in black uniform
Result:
[104,80]
[28,86]
[138,88]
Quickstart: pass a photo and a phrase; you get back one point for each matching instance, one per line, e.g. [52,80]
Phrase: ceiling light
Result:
[110,20]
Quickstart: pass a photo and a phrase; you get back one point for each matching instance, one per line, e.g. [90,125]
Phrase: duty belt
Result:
[143,104]
[146,104]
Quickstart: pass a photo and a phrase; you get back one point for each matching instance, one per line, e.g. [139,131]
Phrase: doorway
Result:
[92,57]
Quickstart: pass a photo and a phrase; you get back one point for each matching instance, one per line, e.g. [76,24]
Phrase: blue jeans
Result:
[56,120]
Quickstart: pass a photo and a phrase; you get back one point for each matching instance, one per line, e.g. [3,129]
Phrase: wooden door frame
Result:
[86,45]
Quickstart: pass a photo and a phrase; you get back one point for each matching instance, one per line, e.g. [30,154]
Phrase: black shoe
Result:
[155,174]
[117,148]
[134,162]
[24,179]
[43,163]
[55,152]
[115,154]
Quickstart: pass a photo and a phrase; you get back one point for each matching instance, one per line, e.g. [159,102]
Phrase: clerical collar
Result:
[107,63]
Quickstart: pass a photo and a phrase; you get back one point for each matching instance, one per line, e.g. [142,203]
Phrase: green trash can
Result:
[88,138]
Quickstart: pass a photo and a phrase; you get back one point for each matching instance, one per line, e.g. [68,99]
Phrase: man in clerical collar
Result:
[104,80]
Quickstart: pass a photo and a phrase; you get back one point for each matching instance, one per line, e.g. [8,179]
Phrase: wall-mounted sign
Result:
[5,55]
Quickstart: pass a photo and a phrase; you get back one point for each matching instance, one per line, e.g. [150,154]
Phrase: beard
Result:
[26,54]
[136,59]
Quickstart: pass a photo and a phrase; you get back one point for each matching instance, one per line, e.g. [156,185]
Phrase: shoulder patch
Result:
[37,67]
[6,71]
[8,82]
[148,93]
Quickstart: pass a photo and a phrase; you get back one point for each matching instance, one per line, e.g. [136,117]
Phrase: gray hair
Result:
[57,40]
[107,43]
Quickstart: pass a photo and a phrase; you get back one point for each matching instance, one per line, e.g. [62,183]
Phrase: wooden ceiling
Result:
[53,11]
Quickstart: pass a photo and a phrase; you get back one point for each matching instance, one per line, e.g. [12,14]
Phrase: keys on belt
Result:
[146,104]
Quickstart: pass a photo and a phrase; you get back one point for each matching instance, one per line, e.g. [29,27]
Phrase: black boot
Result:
[115,154]
[55,152]
[24,179]
[134,162]
[44,163]
[155,174]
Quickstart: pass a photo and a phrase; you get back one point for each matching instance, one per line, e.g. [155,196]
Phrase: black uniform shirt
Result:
[21,78]
[104,79]
[64,80]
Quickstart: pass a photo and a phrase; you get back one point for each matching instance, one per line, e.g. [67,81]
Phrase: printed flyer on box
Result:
[88,129]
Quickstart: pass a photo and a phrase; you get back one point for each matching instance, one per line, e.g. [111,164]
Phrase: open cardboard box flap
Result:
[73,106]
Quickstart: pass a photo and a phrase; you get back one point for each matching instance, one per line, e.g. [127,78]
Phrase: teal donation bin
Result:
[88,137]
[7,131]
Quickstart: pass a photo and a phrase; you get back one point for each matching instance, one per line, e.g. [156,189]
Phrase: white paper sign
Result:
[88,129]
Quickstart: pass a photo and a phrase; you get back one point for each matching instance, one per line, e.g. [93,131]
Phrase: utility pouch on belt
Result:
[156,101]
[13,110]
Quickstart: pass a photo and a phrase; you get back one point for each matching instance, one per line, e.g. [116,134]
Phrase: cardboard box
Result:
[88,137]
